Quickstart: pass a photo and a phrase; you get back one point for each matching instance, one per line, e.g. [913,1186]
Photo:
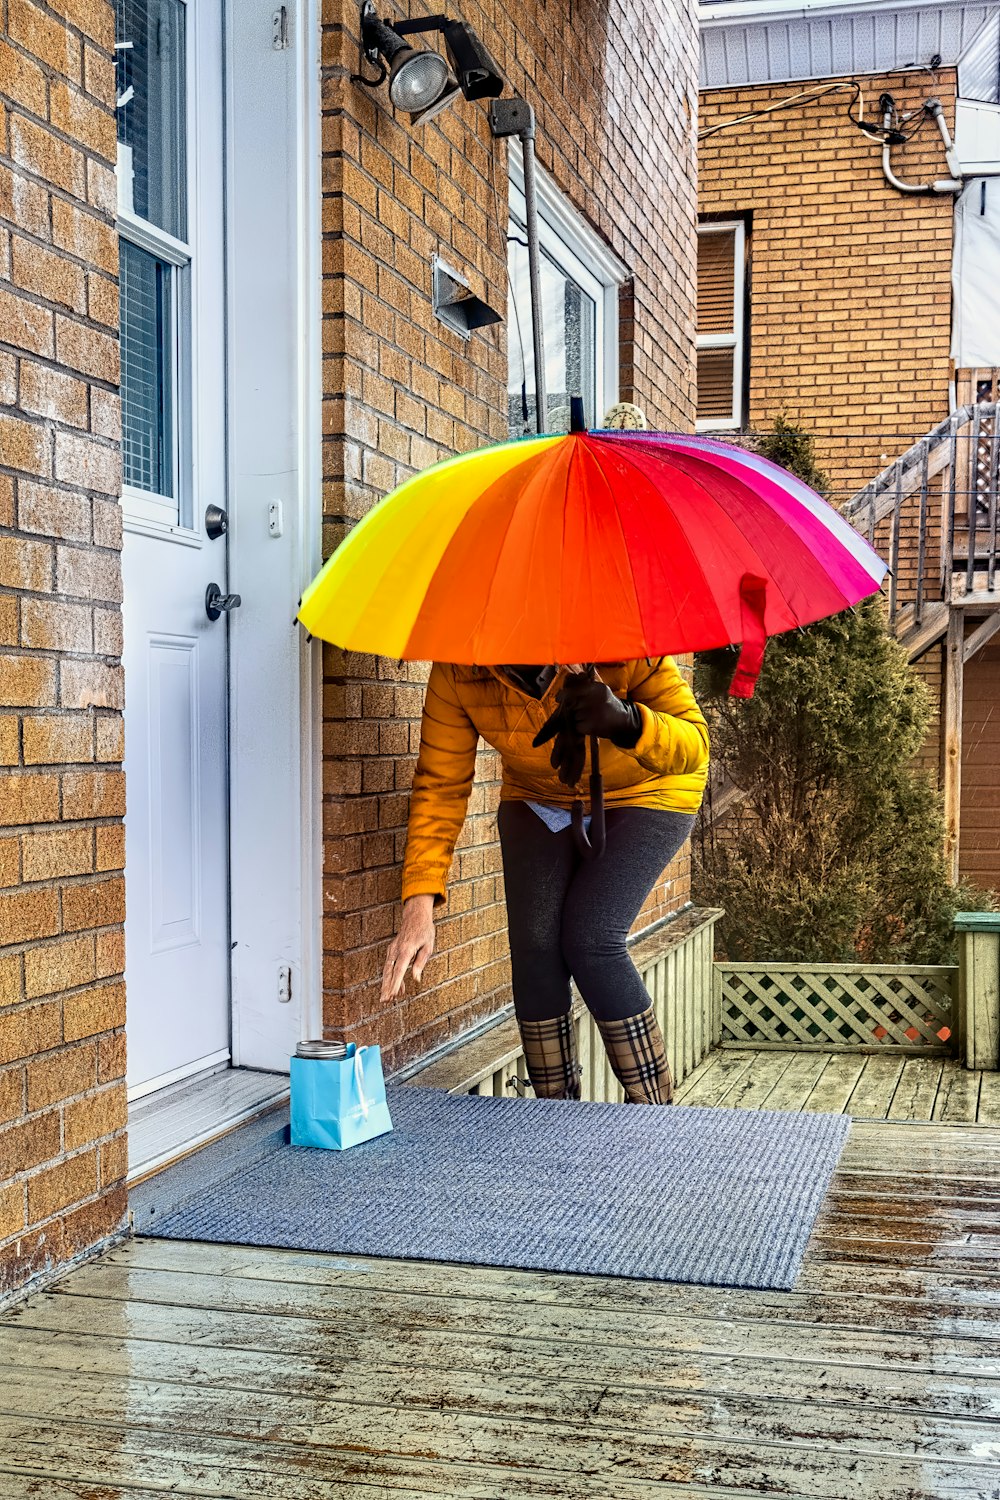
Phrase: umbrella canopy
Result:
[594,546]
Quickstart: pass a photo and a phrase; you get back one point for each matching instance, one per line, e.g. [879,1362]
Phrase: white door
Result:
[170,171]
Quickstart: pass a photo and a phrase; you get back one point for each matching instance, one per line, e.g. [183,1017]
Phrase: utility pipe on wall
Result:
[516,117]
[944,184]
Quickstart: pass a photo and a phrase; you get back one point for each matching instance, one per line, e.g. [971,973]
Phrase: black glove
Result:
[586,707]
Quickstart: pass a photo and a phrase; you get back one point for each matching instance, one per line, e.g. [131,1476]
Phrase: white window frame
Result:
[582,255]
[734,340]
[144,510]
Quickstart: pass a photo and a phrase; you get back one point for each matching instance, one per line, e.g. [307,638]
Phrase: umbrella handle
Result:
[592,847]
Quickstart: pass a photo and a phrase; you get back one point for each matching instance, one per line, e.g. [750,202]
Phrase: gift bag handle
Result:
[359,1079]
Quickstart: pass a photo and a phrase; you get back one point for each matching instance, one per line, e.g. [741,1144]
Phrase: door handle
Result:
[218,603]
[216,522]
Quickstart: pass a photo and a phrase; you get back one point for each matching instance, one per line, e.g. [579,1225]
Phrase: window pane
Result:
[569,324]
[151,102]
[147,373]
[715,385]
[716,281]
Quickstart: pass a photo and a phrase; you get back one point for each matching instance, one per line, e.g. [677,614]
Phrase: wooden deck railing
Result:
[925,1010]
[837,1007]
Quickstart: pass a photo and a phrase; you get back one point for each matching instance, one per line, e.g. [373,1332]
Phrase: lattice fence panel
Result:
[837,1006]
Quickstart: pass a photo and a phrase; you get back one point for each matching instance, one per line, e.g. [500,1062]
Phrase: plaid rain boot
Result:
[638,1060]
[550,1057]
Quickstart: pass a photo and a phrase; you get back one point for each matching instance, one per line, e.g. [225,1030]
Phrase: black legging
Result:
[568,916]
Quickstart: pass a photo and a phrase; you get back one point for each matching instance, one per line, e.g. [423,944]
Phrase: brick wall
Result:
[62,1002]
[615,128]
[850,280]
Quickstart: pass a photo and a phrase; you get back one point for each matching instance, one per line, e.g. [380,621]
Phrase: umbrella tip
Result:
[577,420]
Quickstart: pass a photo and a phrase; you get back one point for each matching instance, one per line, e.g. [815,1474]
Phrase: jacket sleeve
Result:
[442,781]
[674,738]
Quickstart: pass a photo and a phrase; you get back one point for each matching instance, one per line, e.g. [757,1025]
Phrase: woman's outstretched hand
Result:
[413,944]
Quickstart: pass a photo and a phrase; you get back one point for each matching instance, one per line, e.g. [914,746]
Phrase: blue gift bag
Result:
[338,1102]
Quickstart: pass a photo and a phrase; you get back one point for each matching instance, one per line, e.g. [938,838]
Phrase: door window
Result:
[150,49]
[580,280]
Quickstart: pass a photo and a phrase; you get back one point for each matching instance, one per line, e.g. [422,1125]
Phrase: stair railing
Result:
[908,516]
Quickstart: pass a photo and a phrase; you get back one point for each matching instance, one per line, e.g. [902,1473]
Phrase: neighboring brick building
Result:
[62,998]
[848,325]
[343,390]
[826,292]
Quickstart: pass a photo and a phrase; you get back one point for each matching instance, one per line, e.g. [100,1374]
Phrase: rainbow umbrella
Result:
[589,547]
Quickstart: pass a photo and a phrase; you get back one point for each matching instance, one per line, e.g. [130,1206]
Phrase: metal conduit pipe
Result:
[943,184]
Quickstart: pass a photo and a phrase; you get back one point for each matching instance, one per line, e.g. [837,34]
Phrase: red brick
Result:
[26,681]
[57,1188]
[92,1011]
[24,445]
[48,275]
[53,512]
[30,1143]
[50,393]
[12,1209]
[88,463]
[45,37]
[25,564]
[98,1115]
[86,349]
[50,625]
[28,914]
[28,1030]
[90,684]
[12,1096]
[93,794]
[58,739]
[62,1075]
[28,798]
[45,155]
[52,854]
[99,903]
[77,116]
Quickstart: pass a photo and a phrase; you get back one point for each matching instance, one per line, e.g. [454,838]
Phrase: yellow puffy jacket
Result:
[666,768]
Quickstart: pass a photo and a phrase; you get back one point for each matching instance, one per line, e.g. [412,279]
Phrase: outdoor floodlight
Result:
[421,81]
[418,79]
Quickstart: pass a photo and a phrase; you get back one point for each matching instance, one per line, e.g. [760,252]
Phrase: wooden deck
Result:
[869,1086]
[201,1370]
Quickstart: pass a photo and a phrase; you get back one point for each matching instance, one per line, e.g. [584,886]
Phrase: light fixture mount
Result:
[420,80]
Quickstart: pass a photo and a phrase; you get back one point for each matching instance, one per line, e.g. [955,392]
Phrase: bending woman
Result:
[567,917]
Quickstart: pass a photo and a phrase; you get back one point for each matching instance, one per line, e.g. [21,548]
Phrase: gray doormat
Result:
[723,1197]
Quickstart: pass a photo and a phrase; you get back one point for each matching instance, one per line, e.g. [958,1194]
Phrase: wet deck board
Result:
[208,1370]
[874,1086]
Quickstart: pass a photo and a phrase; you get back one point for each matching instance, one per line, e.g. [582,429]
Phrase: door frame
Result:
[274,393]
